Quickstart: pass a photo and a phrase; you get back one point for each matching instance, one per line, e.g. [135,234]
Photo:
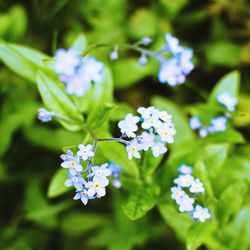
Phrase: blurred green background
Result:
[219,33]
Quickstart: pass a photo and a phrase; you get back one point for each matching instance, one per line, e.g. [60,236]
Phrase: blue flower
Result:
[227,100]
[115,169]
[103,171]
[44,115]
[75,180]
[195,122]
[66,62]
[170,72]
[219,124]
[172,43]
[185,169]
[83,195]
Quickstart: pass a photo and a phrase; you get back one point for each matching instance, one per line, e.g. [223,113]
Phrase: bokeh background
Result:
[219,33]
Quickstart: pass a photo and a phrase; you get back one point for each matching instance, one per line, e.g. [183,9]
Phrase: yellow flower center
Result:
[72,164]
[166,133]
[133,149]
[97,185]
[83,193]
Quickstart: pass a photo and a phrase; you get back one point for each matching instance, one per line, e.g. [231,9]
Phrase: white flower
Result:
[173,43]
[166,132]
[203,132]
[102,171]
[195,122]
[146,140]
[66,62]
[128,125]
[165,116]
[227,100]
[85,151]
[147,112]
[170,72]
[133,149]
[92,68]
[72,164]
[196,187]
[184,180]
[201,214]
[186,63]
[185,169]
[219,124]
[177,193]
[158,148]
[97,186]
[152,121]
[185,204]
[78,84]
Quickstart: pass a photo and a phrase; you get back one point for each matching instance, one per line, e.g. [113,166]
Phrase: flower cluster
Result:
[77,72]
[175,60]
[217,124]
[175,69]
[186,201]
[95,185]
[157,130]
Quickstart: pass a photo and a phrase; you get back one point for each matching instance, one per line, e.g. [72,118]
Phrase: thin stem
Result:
[114,139]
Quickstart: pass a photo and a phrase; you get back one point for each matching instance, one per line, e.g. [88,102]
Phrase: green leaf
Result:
[236,192]
[79,45]
[22,60]
[99,116]
[183,131]
[223,53]
[214,156]
[180,222]
[200,171]
[56,186]
[140,202]
[229,136]
[197,234]
[240,230]
[150,163]
[229,83]
[56,100]
[117,153]
[128,72]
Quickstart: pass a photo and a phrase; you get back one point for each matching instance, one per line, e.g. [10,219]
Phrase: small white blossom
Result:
[44,115]
[219,124]
[185,204]
[152,121]
[133,149]
[166,132]
[146,140]
[203,132]
[227,100]
[201,214]
[185,169]
[85,151]
[128,125]
[165,116]
[73,165]
[195,122]
[184,180]
[197,186]
[97,186]
[173,43]
[158,148]
[78,84]
[92,69]
[177,193]
[147,112]
[66,62]
[102,171]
